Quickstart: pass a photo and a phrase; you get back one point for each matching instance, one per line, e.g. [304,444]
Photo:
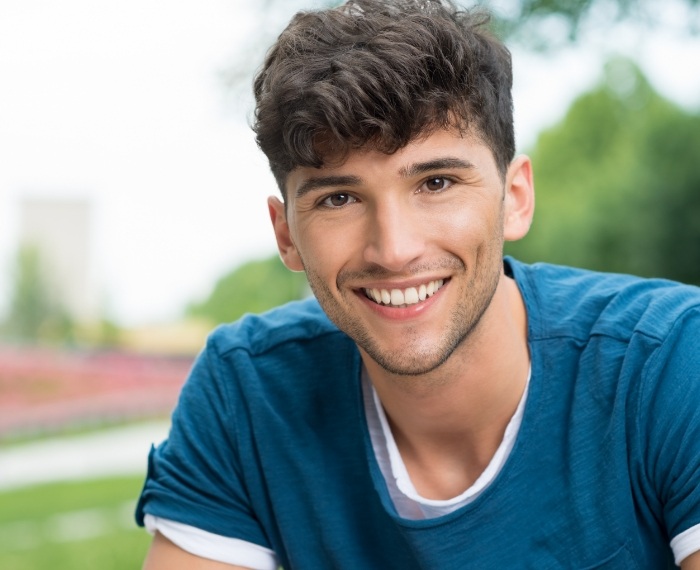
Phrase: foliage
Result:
[254,287]
[616,183]
[41,526]
[36,316]
[545,23]
[34,313]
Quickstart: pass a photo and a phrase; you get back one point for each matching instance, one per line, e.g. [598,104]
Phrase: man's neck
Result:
[448,424]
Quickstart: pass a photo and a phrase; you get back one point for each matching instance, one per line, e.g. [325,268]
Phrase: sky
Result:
[125,104]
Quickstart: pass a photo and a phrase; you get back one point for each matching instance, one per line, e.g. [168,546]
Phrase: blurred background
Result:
[133,216]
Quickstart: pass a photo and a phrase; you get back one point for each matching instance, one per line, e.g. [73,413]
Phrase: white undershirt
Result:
[213,546]
[408,503]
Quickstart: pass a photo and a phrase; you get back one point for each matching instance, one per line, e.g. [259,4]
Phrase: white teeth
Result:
[409,296]
[396,297]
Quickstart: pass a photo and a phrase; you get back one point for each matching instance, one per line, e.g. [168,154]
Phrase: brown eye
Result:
[436,184]
[338,200]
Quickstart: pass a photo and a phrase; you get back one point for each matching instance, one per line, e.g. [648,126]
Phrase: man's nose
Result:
[394,237]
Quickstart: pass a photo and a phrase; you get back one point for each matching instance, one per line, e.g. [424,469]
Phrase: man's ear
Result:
[519,199]
[287,249]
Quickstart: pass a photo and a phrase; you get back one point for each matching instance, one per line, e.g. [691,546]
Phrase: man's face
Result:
[403,251]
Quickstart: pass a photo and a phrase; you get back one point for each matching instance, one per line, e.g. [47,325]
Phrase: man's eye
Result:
[338,200]
[437,184]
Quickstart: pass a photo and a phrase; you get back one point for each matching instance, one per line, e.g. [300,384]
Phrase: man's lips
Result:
[404,297]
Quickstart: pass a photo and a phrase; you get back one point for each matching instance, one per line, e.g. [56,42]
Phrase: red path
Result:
[43,391]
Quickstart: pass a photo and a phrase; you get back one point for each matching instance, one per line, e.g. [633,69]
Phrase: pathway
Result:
[118,451]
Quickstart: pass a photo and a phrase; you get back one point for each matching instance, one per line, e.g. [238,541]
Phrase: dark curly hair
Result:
[381,73]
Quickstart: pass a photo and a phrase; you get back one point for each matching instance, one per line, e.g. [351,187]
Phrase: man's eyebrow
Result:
[326,181]
[406,172]
[432,165]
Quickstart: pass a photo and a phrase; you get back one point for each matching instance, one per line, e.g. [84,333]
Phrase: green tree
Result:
[536,22]
[34,313]
[616,183]
[254,287]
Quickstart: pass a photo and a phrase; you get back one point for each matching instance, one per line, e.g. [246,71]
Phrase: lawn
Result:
[72,526]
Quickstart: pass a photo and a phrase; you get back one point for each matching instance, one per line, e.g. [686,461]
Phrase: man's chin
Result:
[410,365]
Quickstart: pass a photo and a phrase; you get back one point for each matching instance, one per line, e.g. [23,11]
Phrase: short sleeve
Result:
[194,477]
[669,418]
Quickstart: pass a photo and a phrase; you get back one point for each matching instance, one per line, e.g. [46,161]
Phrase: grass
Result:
[72,526]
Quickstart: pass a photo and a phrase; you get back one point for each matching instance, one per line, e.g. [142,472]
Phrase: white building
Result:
[60,231]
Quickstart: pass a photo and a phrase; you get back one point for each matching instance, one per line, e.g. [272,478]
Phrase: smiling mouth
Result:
[404,297]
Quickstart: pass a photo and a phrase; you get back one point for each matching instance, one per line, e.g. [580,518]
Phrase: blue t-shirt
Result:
[269,441]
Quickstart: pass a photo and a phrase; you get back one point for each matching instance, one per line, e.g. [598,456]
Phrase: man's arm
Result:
[692,562]
[165,555]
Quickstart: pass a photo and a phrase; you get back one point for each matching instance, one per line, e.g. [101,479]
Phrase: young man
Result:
[435,406]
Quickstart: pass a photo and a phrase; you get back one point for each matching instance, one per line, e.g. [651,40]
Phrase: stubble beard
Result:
[418,359]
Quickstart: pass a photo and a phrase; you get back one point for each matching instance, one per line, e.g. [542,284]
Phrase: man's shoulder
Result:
[293,323]
[569,301]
